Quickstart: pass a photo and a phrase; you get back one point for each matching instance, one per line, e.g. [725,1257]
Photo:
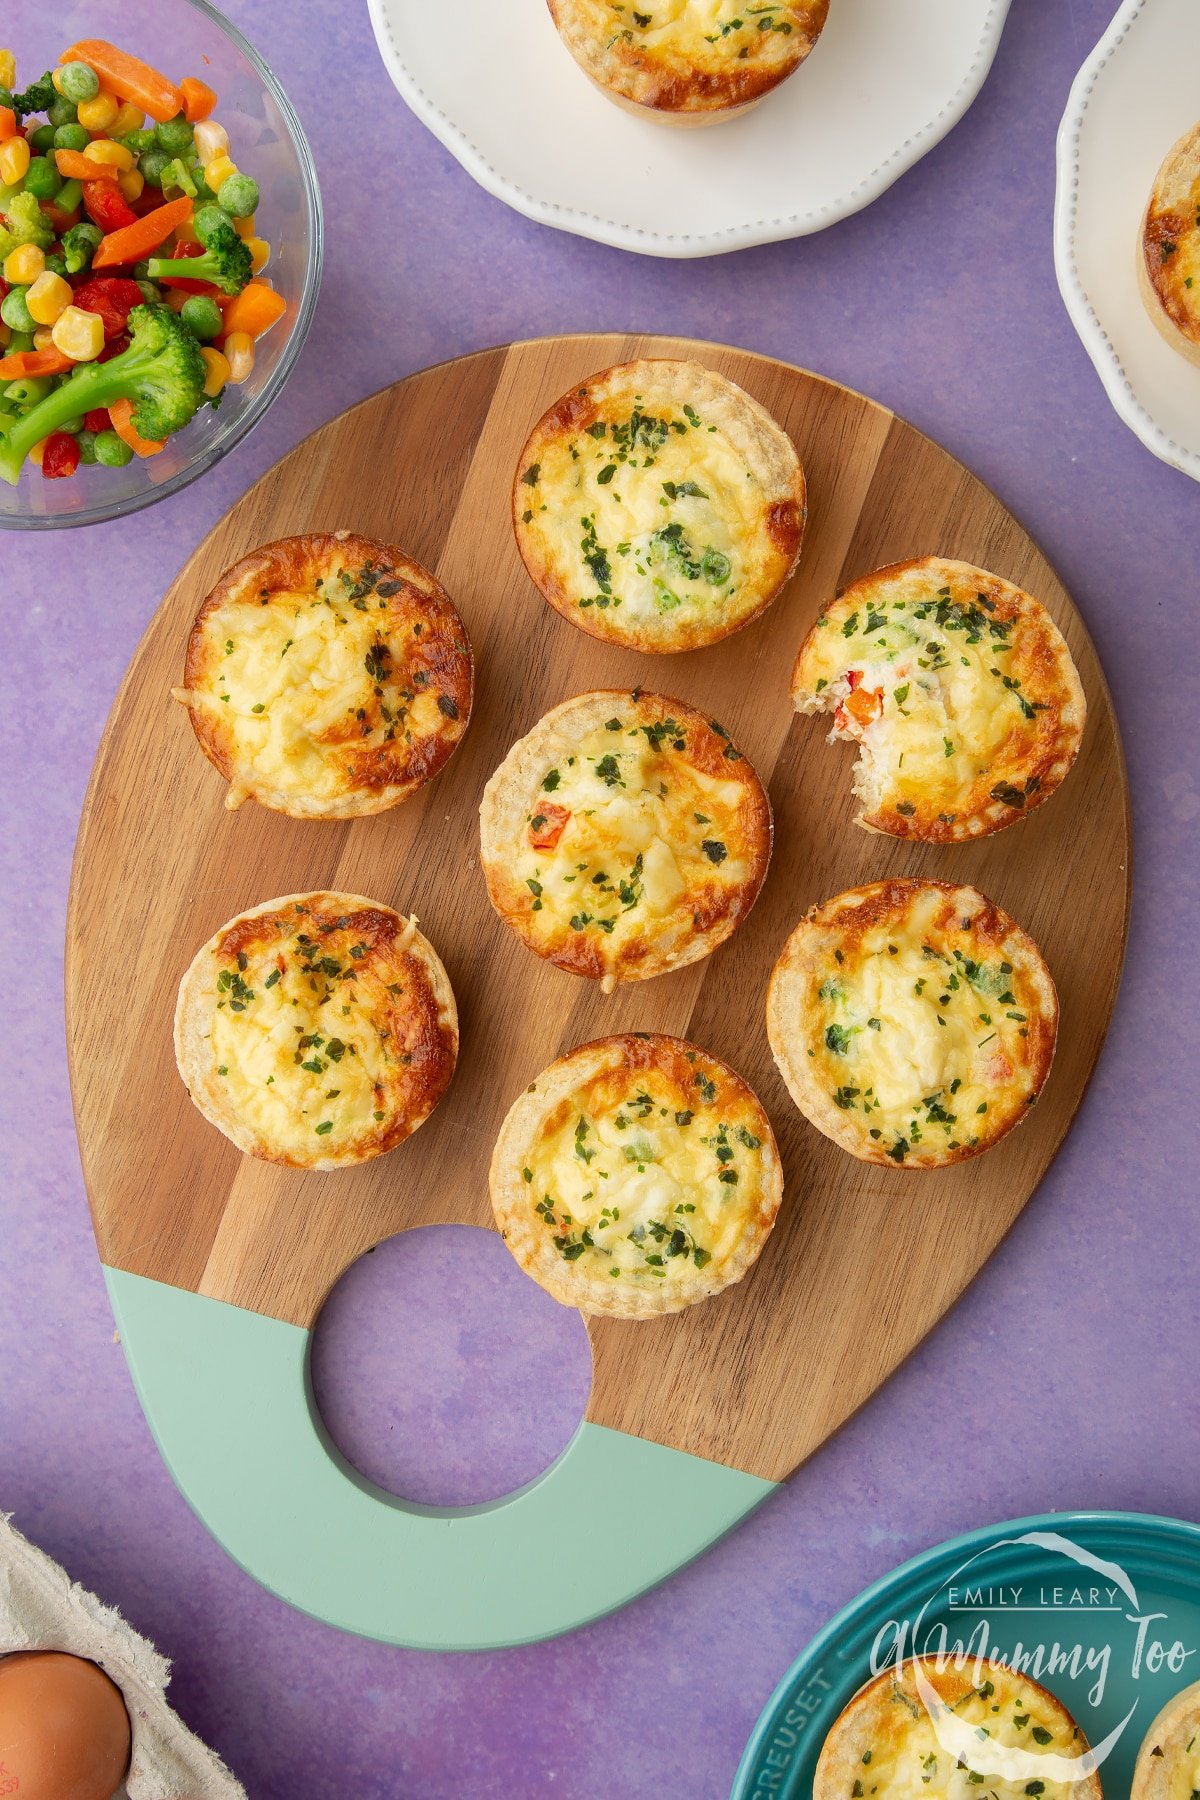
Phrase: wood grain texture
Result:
[863,1260]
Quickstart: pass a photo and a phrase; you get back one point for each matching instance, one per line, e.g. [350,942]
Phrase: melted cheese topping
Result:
[1171,241]
[642,836]
[650,515]
[646,1174]
[939,689]
[923,1039]
[314,690]
[706,35]
[903,1755]
[315,1029]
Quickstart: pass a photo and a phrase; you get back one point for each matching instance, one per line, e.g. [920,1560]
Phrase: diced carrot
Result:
[8,123]
[33,362]
[198,99]
[121,414]
[254,310]
[128,77]
[75,166]
[131,243]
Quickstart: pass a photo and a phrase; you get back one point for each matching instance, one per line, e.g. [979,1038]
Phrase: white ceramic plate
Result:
[1136,94]
[885,83]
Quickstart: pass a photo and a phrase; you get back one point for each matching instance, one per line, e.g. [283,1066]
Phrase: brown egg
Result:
[64,1731]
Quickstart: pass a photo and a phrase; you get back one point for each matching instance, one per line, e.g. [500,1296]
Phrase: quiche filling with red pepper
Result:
[636,1175]
[913,1021]
[625,835]
[958,689]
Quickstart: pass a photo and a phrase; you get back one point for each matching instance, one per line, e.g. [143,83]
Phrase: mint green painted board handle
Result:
[228,1398]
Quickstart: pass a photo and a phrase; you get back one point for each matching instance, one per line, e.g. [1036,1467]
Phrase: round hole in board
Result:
[443,1373]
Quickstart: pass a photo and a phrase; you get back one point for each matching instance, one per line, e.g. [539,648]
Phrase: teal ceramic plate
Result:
[1102,1608]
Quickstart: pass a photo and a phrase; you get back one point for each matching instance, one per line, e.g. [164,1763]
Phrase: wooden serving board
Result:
[863,1260]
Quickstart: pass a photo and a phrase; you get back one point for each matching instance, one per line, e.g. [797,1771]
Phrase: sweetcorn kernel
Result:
[38,451]
[14,160]
[260,254]
[104,150]
[211,138]
[79,334]
[129,118]
[239,354]
[47,297]
[8,68]
[216,370]
[43,338]
[131,183]
[23,265]
[98,114]
[218,168]
[245,227]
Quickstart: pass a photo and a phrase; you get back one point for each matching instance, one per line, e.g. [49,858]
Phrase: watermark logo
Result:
[1080,1620]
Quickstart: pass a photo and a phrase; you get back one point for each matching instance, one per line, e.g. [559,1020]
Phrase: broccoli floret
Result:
[162,372]
[225,261]
[40,97]
[80,245]
[27,224]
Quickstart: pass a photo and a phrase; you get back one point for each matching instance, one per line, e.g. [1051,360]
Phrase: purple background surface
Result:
[1067,1376]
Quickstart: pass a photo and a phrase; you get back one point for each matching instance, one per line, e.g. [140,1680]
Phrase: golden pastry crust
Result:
[959,690]
[1168,1764]
[1168,262]
[626,835]
[658,506]
[688,61]
[913,1022]
[885,1743]
[636,1176]
[327,676]
[318,1030]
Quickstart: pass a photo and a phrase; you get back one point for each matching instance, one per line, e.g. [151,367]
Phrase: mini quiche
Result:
[327,676]
[658,506]
[912,1021]
[318,1030]
[1168,1764]
[635,1176]
[1168,261]
[950,1733]
[625,836]
[958,689]
[688,62]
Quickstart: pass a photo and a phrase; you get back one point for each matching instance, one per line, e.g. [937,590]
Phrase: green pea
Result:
[14,311]
[138,142]
[175,135]
[20,340]
[206,219]
[112,451]
[76,81]
[152,294]
[152,163]
[42,178]
[63,112]
[56,264]
[70,137]
[74,426]
[87,445]
[238,194]
[201,315]
[43,138]
[204,193]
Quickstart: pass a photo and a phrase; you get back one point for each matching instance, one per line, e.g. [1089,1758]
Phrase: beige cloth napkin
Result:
[41,1608]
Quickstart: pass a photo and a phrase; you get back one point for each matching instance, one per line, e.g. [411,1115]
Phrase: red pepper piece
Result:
[61,455]
[113,297]
[547,826]
[114,348]
[98,419]
[107,206]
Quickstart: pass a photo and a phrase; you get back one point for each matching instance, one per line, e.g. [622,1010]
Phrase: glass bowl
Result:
[189,37]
